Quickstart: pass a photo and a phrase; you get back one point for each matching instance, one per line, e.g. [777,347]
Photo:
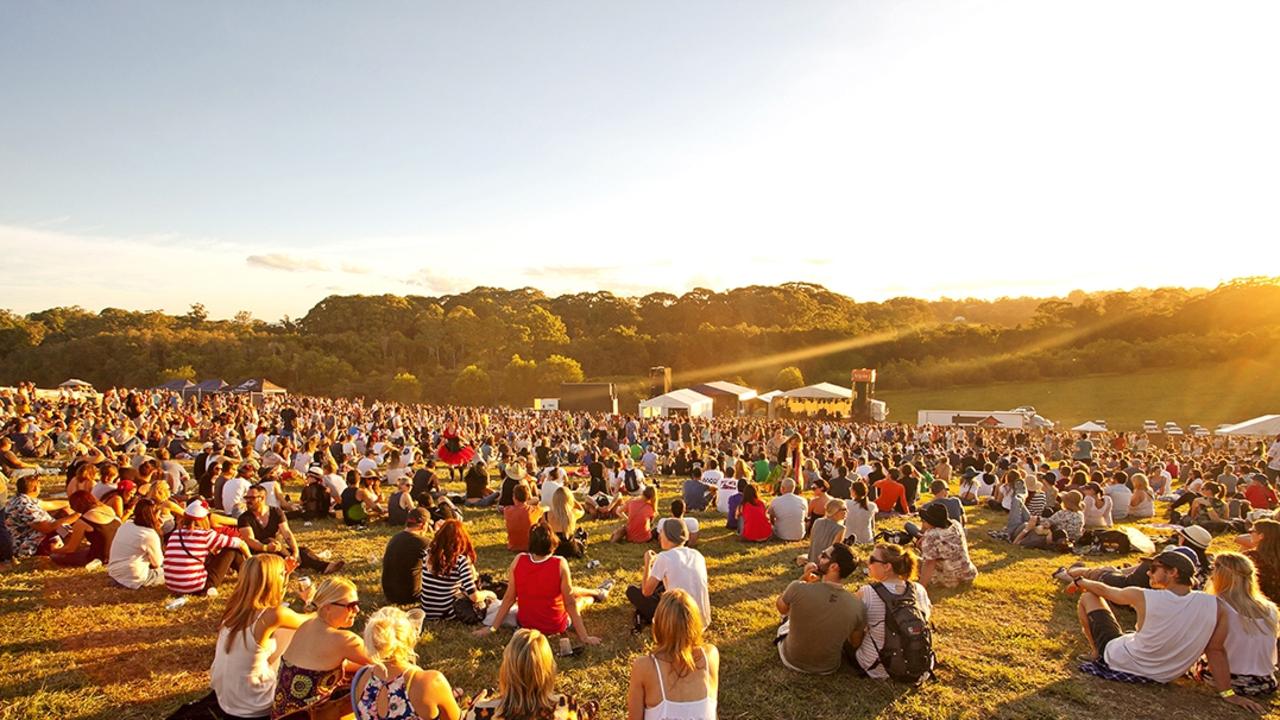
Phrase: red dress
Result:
[755,522]
[452,451]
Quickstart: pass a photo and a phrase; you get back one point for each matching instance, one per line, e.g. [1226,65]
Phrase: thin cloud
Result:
[436,282]
[354,269]
[277,261]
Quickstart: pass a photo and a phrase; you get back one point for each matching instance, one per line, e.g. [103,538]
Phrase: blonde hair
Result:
[1071,500]
[1140,482]
[677,630]
[261,586]
[1235,580]
[331,590]
[834,506]
[392,634]
[527,679]
[562,507]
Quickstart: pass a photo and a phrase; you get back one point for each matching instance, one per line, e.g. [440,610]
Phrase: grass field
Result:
[1224,393]
[75,648]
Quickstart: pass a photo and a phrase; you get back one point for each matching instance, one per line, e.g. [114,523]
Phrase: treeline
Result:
[493,345]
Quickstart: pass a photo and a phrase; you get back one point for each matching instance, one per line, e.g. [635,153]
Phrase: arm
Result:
[1122,596]
[508,600]
[635,690]
[246,536]
[571,605]
[1216,654]
[431,688]
[354,656]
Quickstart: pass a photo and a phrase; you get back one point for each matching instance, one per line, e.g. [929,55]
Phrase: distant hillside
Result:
[1224,393]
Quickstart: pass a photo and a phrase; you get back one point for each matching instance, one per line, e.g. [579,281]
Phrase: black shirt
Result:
[402,567]
[839,487]
[263,532]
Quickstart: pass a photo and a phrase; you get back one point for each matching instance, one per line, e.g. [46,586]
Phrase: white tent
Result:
[1261,425]
[678,402]
[821,391]
[769,396]
[76,383]
[1089,427]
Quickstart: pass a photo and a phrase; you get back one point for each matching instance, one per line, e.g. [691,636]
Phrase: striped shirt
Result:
[185,555]
[1035,503]
[438,592]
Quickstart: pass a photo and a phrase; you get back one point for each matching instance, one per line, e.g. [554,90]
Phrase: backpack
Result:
[907,654]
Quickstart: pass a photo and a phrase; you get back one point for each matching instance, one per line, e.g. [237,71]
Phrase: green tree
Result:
[182,372]
[472,386]
[405,388]
[555,370]
[790,378]
[520,381]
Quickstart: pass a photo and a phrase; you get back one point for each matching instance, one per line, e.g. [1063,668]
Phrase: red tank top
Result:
[541,604]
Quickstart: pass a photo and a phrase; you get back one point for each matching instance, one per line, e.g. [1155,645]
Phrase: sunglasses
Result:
[353,605]
[874,559]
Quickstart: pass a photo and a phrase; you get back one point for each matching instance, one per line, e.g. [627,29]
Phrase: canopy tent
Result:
[180,385]
[769,396]
[1089,427]
[262,386]
[211,386]
[1261,425]
[77,384]
[821,391]
[820,400]
[678,402]
[727,398]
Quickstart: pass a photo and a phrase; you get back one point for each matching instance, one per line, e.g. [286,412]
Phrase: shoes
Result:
[605,587]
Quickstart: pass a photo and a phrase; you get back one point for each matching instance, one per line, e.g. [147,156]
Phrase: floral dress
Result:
[949,550]
[298,688]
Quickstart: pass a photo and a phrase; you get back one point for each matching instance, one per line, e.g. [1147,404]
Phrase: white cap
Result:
[197,509]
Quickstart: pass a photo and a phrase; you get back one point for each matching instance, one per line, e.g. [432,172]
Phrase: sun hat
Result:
[1196,535]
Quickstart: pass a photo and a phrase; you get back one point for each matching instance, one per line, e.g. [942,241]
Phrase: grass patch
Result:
[73,647]
[1225,393]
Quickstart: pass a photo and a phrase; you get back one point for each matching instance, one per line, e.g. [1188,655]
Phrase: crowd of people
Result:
[561,482]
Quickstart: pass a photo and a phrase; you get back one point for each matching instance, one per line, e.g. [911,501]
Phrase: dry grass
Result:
[75,648]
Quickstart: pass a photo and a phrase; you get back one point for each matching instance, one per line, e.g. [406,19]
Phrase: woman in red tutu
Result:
[453,450]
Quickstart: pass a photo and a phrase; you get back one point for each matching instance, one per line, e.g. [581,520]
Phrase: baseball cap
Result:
[1181,559]
[675,530]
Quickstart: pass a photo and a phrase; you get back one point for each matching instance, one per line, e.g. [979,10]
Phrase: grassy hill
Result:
[1224,393]
[74,647]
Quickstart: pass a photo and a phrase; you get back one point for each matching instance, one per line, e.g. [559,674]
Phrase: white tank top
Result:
[704,709]
[243,677]
[1175,631]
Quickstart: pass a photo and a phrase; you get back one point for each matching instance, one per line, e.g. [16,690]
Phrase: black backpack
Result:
[907,654]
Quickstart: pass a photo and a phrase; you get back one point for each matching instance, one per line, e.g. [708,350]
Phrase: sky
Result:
[262,156]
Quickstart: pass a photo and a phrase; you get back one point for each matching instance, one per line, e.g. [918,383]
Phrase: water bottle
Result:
[177,602]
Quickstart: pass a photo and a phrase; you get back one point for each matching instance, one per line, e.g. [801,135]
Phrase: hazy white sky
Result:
[262,156]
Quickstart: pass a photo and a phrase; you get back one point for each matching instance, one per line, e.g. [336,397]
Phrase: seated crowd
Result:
[129,505]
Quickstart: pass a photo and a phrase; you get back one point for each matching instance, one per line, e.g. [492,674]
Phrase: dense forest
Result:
[509,346]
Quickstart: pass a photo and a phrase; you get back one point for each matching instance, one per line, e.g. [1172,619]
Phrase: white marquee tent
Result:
[678,402]
[1090,427]
[821,391]
[1261,425]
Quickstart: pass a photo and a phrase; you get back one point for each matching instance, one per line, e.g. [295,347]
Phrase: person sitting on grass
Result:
[1178,625]
[255,629]
[449,571]
[520,516]
[1209,511]
[817,504]
[891,497]
[639,513]
[754,521]
[479,494]
[691,523]
[696,495]
[680,678]
[395,688]
[136,558]
[1194,539]
[860,518]
[787,513]
[1252,621]
[265,529]
[403,558]
[32,525]
[1097,507]
[942,496]
[540,587]
[890,567]
[323,651]
[1057,532]
[527,686]
[827,530]
[944,550]
[196,558]
[822,620]
[563,518]
[1262,545]
[1142,502]
[677,567]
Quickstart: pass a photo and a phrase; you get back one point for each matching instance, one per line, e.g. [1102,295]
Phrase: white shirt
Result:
[335,484]
[1273,455]
[1251,653]
[685,568]
[134,552]
[549,488]
[1174,634]
[725,488]
[366,465]
[789,512]
[233,496]
[859,524]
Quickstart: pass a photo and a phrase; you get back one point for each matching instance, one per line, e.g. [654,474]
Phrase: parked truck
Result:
[1013,419]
